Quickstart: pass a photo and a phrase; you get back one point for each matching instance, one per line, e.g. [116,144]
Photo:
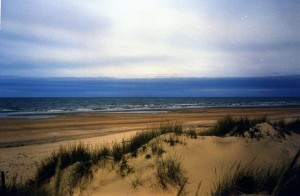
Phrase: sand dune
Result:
[204,160]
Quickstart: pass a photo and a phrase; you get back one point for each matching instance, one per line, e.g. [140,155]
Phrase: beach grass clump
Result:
[247,179]
[233,127]
[12,188]
[80,170]
[117,151]
[263,180]
[100,153]
[124,167]
[15,187]
[169,171]
[46,169]
[67,155]
[165,128]
[157,148]
[142,138]
[192,133]
[172,139]
[176,128]
[287,127]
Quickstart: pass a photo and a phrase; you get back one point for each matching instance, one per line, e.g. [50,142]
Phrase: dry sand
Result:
[203,159]
[24,142]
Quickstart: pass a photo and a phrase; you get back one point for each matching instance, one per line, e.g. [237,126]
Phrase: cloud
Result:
[159,87]
[150,38]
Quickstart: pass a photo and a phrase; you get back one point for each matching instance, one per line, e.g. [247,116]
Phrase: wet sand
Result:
[22,132]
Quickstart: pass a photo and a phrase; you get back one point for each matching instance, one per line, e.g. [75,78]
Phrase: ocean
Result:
[49,107]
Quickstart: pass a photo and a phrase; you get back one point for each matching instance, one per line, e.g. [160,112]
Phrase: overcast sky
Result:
[150,38]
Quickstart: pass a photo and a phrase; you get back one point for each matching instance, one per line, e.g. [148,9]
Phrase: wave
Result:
[52,106]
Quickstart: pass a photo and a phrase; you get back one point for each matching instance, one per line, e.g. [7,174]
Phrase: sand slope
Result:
[203,159]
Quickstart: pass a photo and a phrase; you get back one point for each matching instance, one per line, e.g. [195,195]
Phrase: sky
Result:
[149,39]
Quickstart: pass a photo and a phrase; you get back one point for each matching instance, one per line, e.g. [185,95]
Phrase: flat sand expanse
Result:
[22,132]
[25,142]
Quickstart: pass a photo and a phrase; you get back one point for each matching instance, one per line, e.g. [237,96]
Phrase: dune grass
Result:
[81,153]
[287,127]
[256,180]
[67,156]
[18,188]
[156,148]
[169,171]
[192,133]
[84,158]
[240,179]
[247,179]
[263,180]
[229,126]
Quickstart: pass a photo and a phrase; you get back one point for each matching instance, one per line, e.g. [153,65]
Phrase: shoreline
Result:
[51,114]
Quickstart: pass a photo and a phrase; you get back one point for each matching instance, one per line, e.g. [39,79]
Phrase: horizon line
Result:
[158,77]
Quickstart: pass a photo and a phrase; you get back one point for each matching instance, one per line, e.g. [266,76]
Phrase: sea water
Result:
[47,107]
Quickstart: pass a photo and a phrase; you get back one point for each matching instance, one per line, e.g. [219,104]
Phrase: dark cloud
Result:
[288,86]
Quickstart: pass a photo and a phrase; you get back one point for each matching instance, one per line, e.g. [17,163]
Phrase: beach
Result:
[25,142]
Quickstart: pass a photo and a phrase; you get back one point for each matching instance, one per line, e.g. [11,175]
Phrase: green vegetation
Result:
[156,148]
[82,158]
[176,128]
[142,138]
[67,155]
[80,170]
[172,140]
[233,127]
[247,180]
[169,170]
[100,153]
[79,160]
[250,179]
[124,168]
[192,133]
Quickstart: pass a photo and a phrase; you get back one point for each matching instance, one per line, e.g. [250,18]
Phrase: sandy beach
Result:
[64,127]
[25,142]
